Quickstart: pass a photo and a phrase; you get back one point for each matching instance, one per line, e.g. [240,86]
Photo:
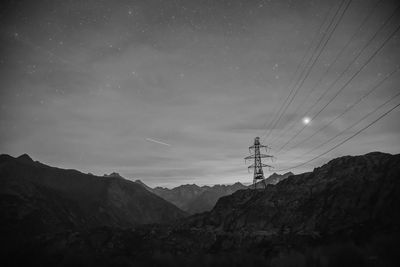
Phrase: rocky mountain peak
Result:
[69,199]
[338,195]
[144,185]
[25,158]
[113,175]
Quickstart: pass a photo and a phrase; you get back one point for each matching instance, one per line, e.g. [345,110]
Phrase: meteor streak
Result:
[158,142]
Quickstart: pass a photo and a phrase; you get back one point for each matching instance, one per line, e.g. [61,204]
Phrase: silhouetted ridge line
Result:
[53,199]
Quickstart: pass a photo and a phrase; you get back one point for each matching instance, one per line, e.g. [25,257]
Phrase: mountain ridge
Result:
[314,202]
[49,197]
[192,198]
[344,213]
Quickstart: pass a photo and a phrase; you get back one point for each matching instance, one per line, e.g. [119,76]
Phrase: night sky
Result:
[174,92]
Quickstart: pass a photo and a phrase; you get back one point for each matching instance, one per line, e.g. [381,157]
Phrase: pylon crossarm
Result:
[260,146]
[265,156]
[262,164]
[260,155]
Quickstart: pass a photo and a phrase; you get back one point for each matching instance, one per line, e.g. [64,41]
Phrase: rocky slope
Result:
[196,199]
[272,179]
[180,196]
[207,199]
[345,213]
[193,198]
[36,198]
[346,193]
[276,178]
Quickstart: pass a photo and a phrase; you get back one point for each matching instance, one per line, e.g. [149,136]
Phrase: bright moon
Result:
[306,120]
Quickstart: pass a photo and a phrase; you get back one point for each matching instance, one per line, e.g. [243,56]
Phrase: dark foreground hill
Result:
[345,213]
[348,192]
[36,198]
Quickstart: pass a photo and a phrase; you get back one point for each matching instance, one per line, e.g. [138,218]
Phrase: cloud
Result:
[204,77]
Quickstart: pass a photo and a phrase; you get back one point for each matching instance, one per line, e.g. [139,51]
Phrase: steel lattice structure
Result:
[257,166]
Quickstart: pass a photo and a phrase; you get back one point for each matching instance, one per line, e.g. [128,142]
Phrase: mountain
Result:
[272,179]
[144,185]
[344,195]
[196,199]
[113,175]
[207,199]
[193,198]
[180,196]
[276,178]
[36,198]
[344,213]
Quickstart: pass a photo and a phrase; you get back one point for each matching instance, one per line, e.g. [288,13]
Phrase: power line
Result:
[344,141]
[297,69]
[312,64]
[274,122]
[354,60]
[347,109]
[300,64]
[350,64]
[309,70]
[330,66]
[344,86]
[354,124]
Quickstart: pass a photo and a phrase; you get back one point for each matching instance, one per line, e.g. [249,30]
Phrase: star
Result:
[306,120]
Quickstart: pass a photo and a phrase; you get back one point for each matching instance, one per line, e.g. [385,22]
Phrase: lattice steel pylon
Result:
[257,166]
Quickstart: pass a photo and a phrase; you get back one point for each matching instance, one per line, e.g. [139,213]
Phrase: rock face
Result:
[180,196]
[276,178]
[195,199]
[346,193]
[207,199]
[144,185]
[113,175]
[36,198]
[345,213]
[273,179]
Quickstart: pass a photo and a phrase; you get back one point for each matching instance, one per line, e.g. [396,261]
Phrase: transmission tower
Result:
[257,166]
